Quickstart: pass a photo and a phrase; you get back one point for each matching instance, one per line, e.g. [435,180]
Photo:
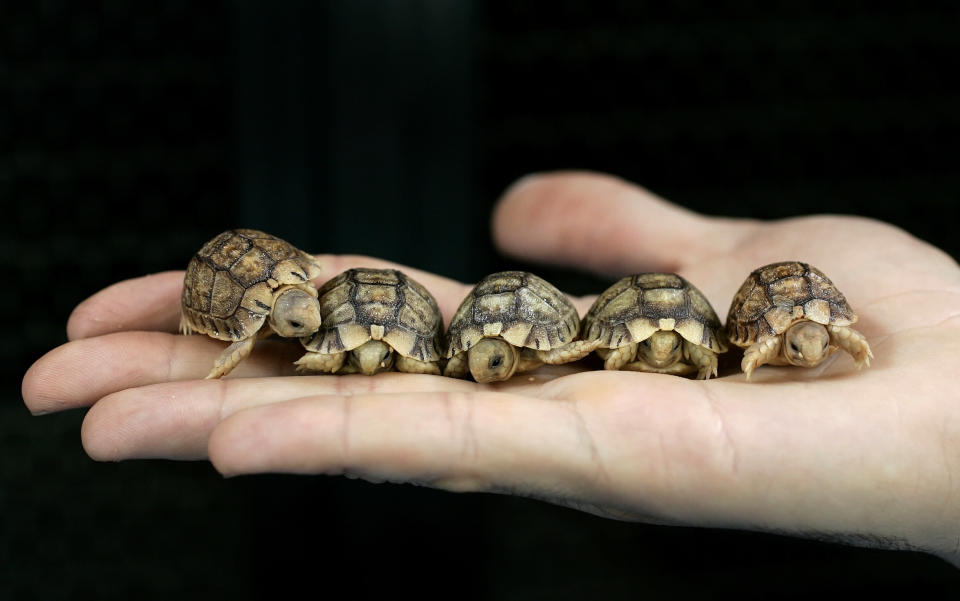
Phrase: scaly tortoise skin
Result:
[512,321]
[242,279]
[790,313]
[656,322]
[374,320]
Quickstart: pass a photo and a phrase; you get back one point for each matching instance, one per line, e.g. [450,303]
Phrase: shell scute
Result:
[226,251]
[636,306]
[516,334]
[495,307]
[276,249]
[506,282]
[525,309]
[253,267]
[226,295]
[197,294]
[536,309]
[817,310]
[415,318]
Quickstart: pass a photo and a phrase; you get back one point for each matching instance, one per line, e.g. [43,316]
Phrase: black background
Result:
[130,134]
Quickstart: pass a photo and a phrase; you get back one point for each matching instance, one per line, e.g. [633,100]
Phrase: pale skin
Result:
[371,357]
[866,456]
[662,353]
[806,344]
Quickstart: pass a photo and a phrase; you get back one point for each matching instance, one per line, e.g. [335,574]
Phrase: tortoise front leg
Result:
[853,342]
[578,349]
[528,360]
[228,359]
[414,366]
[702,358]
[616,358]
[457,366]
[320,362]
[760,353]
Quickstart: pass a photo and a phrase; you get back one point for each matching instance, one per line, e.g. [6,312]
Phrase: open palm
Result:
[868,457]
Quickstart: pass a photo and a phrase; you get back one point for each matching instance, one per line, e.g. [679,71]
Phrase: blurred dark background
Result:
[130,133]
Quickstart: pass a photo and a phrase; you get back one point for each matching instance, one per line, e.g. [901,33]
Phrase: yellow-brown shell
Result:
[229,285]
[776,296]
[517,306]
[635,307]
[377,304]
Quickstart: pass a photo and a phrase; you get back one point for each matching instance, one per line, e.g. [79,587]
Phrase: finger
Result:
[602,223]
[173,420]
[79,373]
[461,441]
[153,302]
[566,451]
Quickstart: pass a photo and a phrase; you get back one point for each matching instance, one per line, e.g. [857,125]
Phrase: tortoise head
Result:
[806,344]
[492,360]
[296,313]
[662,349]
[372,357]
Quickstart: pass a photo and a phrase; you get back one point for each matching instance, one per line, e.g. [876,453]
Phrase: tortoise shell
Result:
[776,296]
[635,307]
[229,285]
[377,304]
[523,309]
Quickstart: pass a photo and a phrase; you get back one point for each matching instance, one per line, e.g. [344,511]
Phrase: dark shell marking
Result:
[776,296]
[383,304]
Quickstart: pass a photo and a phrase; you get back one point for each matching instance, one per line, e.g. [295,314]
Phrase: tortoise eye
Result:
[496,361]
[676,344]
[794,348]
[295,324]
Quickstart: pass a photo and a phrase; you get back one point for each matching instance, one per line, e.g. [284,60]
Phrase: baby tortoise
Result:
[789,313]
[512,321]
[656,322]
[374,320]
[242,279]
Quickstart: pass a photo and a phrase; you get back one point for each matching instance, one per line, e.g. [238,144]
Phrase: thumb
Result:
[602,223]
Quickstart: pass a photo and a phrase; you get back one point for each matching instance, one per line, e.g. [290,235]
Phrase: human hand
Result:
[869,457]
